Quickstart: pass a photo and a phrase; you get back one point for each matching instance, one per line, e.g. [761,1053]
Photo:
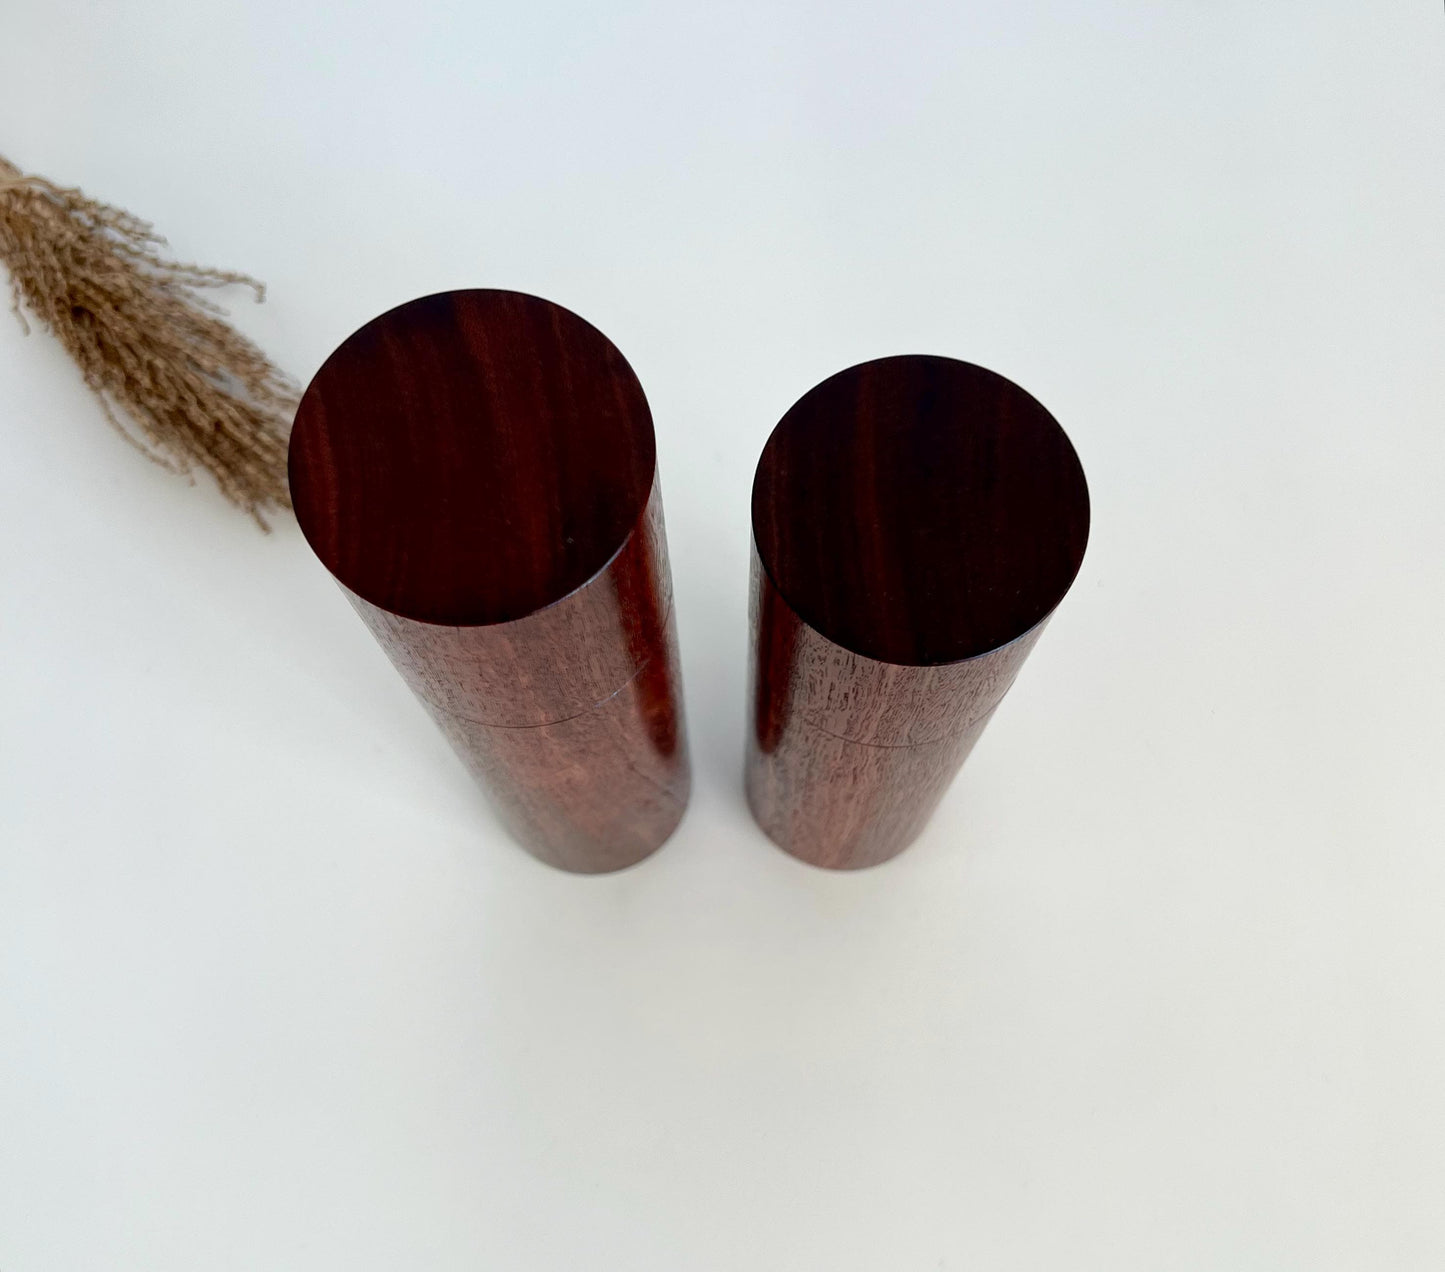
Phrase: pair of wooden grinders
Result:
[478,471]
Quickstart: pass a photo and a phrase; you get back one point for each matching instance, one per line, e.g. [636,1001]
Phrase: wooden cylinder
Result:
[915,522]
[478,471]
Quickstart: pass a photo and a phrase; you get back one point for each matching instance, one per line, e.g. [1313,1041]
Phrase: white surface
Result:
[1161,987]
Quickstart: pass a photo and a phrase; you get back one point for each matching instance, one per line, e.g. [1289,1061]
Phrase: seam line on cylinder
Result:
[545,724]
[902,746]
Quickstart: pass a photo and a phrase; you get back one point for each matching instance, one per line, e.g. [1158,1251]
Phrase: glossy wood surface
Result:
[478,471]
[915,521]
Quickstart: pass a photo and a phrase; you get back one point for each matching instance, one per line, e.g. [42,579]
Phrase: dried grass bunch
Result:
[195,392]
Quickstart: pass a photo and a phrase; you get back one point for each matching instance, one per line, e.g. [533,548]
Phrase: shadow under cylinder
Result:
[915,522]
[478,471]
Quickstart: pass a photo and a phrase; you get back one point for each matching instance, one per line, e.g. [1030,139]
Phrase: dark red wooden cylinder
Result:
[478,471]
[915,522]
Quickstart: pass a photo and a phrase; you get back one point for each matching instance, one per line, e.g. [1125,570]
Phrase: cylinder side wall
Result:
[571,718]
[848,757]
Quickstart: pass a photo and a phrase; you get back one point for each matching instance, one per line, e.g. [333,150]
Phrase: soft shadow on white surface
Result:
[1158,988]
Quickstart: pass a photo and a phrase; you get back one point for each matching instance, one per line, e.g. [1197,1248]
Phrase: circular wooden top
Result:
[471,457]
[920,510]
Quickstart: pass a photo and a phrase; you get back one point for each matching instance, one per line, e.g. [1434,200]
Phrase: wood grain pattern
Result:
[915,522]
[478,471]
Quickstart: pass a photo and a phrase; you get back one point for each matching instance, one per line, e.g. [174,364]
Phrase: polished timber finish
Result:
[915,522]
[848,757]
[478,471]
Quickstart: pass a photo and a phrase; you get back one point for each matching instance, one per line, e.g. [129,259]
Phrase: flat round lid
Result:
[920,510]
[471,457]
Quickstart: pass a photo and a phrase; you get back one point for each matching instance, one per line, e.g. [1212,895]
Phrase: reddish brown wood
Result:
[915,522]
[478,471]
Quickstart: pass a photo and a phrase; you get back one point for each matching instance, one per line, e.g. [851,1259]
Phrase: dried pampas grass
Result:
[195,392]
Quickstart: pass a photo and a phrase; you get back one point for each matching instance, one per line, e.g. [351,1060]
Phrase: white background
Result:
[1162,986]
